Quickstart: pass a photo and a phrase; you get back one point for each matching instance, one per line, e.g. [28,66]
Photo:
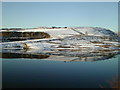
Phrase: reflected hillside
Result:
[59,55]
[20,55]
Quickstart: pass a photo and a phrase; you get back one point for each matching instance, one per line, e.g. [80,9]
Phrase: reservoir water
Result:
[44,73]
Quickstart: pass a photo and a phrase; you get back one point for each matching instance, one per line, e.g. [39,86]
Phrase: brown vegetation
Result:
[20,55]
[105,46]
[64,46]
[114,84]
[97,42]
[16,36]
[118,46]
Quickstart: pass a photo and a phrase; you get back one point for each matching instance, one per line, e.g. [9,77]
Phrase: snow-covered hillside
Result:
[71,41]
[95,31]
[70,31]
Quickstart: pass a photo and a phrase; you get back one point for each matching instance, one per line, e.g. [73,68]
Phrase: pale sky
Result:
[36,14]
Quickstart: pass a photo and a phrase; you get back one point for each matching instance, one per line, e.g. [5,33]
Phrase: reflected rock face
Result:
[61,55]
[20,55]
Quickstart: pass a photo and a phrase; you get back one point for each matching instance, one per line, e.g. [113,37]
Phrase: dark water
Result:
[42,73]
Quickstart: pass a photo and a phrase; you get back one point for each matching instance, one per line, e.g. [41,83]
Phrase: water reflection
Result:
[59,56]
[21,55]
[39,72]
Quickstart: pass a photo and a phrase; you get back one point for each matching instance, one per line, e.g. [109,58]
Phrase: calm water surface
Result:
[39,73]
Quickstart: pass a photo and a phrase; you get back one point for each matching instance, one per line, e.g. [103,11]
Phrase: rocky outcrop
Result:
[18,36]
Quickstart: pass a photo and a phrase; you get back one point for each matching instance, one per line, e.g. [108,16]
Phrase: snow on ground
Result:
[55,33]
[63,32]
[80,38]
[96,31]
